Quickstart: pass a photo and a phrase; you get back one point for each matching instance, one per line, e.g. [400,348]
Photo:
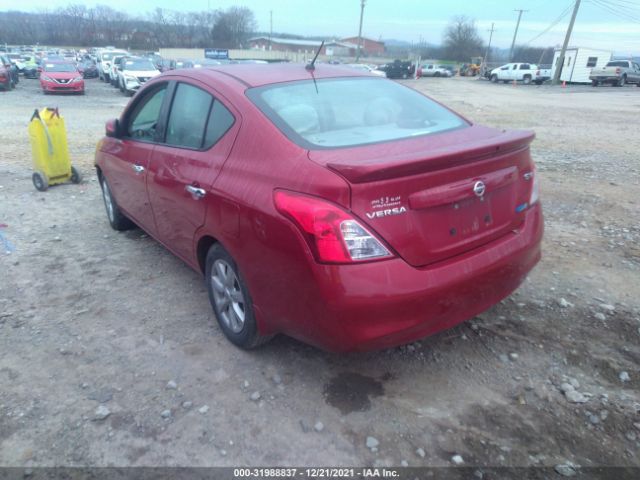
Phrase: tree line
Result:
[79,25]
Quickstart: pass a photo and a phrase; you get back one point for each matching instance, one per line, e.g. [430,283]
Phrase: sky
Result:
[607,24]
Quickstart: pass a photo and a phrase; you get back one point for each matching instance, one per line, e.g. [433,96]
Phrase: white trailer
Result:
[578,63]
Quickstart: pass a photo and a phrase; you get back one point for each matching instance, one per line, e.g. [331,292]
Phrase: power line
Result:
[564,13]
[624,14]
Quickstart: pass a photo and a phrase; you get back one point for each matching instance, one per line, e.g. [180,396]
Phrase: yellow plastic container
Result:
[49,150]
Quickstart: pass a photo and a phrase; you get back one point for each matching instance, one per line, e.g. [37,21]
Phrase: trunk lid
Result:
[434,197]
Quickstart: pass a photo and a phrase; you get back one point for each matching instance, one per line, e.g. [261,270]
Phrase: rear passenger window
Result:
[220,121]
[188,117]
[196,120]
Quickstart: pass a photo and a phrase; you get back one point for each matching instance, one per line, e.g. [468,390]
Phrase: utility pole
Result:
[515,34]
[270,27]
[560,64]
[486,55]
[362,2]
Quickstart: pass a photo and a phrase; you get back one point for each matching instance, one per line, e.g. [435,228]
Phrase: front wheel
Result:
[230,299]
[494,78]
[117,219]
[595,83]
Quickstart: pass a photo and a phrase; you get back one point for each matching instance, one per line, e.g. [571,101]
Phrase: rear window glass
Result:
[345,112]
[617,64]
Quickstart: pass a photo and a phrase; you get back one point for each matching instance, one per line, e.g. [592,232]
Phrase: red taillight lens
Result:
[618,70]
[333,235]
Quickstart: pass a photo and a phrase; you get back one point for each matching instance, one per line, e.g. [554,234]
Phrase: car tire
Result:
[76,177]
[230,300]
[595,83]
[494,78]
[437,74]
[526,80]
[121,86]
[117,219]
[40,181]
[622,81]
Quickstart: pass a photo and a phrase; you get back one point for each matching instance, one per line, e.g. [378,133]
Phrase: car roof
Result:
[256,75]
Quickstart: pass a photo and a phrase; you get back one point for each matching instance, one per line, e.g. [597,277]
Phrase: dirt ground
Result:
[97,324]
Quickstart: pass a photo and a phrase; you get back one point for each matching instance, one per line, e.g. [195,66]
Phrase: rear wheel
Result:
[527,79]
[117,219]
[230,299]
[595,83]
[40,181]
[622,81]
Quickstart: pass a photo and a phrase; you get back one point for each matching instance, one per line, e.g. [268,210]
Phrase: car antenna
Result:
[312,66]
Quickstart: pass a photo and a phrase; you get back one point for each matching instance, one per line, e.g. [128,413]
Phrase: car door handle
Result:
[137,168]
[196,192]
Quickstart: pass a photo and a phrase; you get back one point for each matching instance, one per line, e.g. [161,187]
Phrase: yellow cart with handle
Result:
[51,163]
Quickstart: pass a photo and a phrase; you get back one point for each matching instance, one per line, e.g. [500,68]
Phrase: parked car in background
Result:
[164,64]
[542,74]
[398,69]
[104,59]
[61,77]
[88,68]
[366,68]
[12,69]
[433,70]
[616,72]
[6,80]
[30,69]
[342,209]
[135,72]
[518,72]
[206,62]
[17,60]
[115,68]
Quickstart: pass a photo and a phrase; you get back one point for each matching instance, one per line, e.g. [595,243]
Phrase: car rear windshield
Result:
[346,112]
[617,64]
[59,67]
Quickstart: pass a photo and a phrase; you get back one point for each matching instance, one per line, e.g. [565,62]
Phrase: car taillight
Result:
[618,70]
[333,235]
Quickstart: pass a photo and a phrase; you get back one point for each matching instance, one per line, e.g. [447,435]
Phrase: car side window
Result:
[220,121]
[515,66]
[525,66]
[188,118]
[144,119]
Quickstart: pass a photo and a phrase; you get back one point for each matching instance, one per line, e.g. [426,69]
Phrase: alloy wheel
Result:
[228,296]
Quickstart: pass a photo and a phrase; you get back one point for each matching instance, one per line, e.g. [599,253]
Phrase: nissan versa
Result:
[337,207]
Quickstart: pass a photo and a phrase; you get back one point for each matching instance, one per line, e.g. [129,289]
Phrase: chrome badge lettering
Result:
[386,212]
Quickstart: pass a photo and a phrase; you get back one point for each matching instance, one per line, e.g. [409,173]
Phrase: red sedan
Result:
[58,77]
[340,208]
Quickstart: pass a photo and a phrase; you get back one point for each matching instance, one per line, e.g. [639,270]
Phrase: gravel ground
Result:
[110,355]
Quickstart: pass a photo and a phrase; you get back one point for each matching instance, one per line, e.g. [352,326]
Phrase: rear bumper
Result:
[389,303]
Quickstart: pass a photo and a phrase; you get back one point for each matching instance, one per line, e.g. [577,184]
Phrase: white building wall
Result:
[575,63]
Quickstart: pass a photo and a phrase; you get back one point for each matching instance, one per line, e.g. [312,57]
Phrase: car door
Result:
[200,132]
[126,168]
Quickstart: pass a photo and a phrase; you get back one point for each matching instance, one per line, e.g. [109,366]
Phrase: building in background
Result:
[370,47]
[578,63]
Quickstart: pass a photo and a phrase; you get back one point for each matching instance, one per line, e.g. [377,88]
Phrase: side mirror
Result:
[112,128]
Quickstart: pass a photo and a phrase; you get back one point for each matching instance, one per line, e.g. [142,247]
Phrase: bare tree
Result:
[461,40]
[232,27]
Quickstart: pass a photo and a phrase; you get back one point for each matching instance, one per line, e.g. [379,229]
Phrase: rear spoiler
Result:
[428,160]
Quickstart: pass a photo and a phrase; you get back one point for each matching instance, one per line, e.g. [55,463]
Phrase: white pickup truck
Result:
[519,72]
[616,72]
